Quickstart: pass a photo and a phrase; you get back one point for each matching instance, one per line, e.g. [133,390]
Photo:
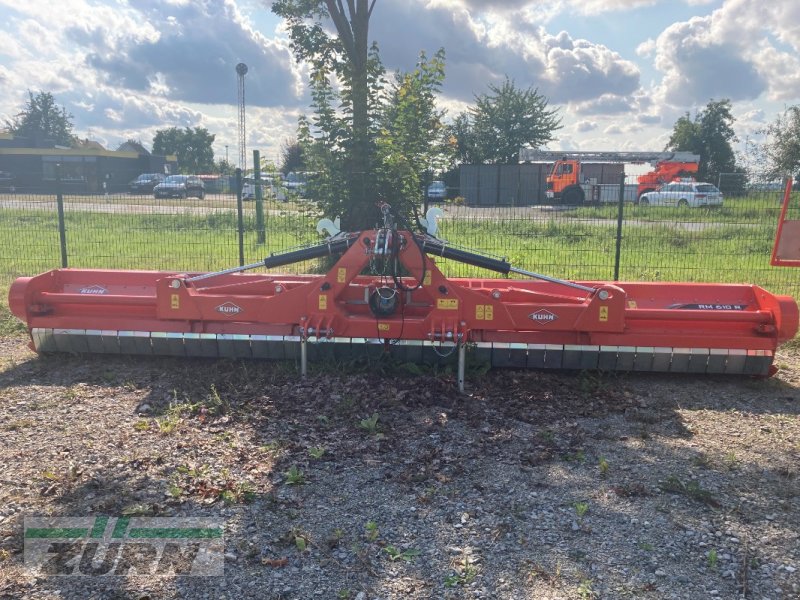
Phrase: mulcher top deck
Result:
[409,308]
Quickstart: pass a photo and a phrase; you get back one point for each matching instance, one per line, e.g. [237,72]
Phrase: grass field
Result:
[728,244]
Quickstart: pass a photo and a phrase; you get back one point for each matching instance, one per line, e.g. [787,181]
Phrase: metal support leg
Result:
[462,359]
[303,356]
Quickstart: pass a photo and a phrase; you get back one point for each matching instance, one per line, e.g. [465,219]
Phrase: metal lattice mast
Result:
[241,71]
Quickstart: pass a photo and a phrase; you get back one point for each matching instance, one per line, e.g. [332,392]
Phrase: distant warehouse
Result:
[86,167]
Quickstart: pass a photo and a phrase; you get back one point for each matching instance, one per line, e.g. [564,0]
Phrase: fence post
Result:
[620,209]
[62,228]
[261,233]
[240,215]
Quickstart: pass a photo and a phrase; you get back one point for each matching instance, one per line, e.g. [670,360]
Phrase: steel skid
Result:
[416,313]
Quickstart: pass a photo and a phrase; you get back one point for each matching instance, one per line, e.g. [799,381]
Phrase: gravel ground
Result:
[385,483]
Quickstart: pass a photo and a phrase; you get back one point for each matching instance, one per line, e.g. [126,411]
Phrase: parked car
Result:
[180,186]
[269,188]
[145,183]
[684,193]
[296,182]
[7,181]
[437,191]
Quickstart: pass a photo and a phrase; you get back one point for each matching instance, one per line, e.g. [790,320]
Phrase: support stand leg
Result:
[303,356]
[462,359]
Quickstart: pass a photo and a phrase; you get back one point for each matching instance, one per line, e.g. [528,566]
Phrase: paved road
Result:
[455,213]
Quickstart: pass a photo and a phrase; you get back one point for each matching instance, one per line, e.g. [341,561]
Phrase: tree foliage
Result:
[711,136]
[292,157]
[347,58]
[412,141]
[192,146]
[501,122]
[42,120]
[782,147]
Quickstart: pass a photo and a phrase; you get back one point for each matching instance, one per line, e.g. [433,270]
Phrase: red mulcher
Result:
[409,308]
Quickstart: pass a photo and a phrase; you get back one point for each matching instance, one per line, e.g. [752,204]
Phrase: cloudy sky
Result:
[622,71]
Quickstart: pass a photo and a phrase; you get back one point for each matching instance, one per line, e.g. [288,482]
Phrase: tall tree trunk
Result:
[354,34]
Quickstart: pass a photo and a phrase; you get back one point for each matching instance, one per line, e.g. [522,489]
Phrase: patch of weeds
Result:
[731,461]
[236,492]
[227,437]
[317,452]
[546,436]
[702,460]
[585,590]
[406,555]
[539,572]
[692,490]
[274,448]
[335,538]
[602,466]
[141,425]
[174,490]
[4,555]
[581,508]
[646,546]
[712,559]
[19,424]
[370,425]
[464,571]
[371,531]
[344,594]
[209,486]
[578,456]
[294,476]
[169,422]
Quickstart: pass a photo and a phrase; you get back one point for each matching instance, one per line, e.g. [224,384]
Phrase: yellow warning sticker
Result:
[323,301]
[341,275]
[427,279]
[447,304]
[484,312]
[631,303]
[383,326]
[604,313]
[175,301]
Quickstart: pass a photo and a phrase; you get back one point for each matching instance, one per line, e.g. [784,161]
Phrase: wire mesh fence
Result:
[660,239]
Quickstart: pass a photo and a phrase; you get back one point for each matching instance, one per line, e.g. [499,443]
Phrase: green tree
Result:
[710,135]
[42,120]
[292,157]
[461,137]
[504,120]
[413,140]
[782,147]
[192,146]
[224,167]
[347,57]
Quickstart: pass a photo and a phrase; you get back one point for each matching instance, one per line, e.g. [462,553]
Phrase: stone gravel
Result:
[381,481]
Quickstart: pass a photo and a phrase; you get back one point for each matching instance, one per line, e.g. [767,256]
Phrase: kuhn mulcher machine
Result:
[409,309]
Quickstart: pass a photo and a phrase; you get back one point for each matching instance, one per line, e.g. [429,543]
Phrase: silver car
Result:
[684,193]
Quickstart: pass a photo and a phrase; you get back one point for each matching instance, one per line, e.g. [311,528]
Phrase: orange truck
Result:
[593,177]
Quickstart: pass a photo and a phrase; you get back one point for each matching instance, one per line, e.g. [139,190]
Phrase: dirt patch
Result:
[382,484]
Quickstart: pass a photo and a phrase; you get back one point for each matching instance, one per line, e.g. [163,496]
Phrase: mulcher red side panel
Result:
[669,327]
